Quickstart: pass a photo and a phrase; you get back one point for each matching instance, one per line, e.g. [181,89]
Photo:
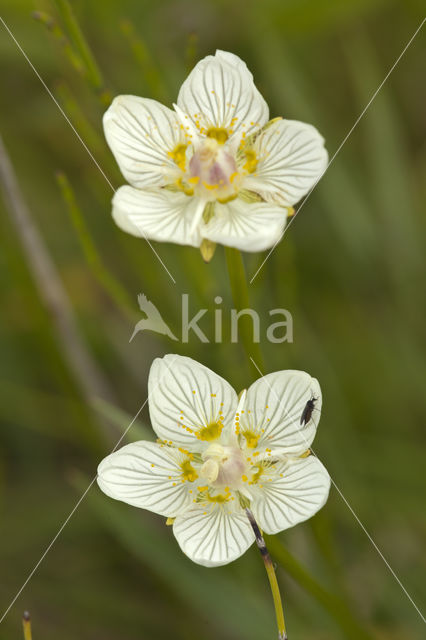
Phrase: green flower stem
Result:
[87,375]
[240,296]
[105,279]
[60,37]
[334,605]
[76,35]
[270,571]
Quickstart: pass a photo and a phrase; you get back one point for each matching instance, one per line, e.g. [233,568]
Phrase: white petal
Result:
[219,92]
[213,537]
[274,408]
[185,397]
[296,496]
[158,214]
[146,475]
[291,158]
[141,133]
[249,227]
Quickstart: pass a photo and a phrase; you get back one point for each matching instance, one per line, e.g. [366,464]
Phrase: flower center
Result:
[213,170]
[223,466]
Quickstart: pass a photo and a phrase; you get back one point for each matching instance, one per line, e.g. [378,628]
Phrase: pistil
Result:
[212,170]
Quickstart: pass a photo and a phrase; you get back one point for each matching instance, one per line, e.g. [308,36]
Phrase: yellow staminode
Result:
[251,438]
[188,472]
[251,160]
[211,432]
[256,476]
[178,155]
[218,133]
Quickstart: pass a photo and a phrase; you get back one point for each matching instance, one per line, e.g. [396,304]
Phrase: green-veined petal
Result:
[188,403]
[146,475]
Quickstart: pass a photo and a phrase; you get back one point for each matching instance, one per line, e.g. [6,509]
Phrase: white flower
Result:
[215,456]
[214,169]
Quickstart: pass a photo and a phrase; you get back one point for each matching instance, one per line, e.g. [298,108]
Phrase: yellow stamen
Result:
[220,499]
[207,249]
[209,186]
[188,191]
[228,199]
[306,454]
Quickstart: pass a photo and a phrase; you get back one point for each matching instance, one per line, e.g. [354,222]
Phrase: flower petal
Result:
[219,92]
[159,214]
[296,496]
[291,158]
[274,409]
[213,537]
[249,227]
[186,398]
[146,475]
[141,134]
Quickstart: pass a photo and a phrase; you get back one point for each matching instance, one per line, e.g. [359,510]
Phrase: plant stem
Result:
[26,624]
[335,606]
[106,280]
[60,38]
[276,596]
[85,369]
[331,603]
[240,296]
[76,35]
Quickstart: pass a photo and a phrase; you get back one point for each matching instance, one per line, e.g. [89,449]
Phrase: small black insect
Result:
[307,411]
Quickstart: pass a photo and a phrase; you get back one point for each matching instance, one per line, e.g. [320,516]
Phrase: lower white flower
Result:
[214,169]
[217,455]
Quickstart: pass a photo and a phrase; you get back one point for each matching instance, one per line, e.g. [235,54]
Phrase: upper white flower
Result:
[214,168]
[216,455]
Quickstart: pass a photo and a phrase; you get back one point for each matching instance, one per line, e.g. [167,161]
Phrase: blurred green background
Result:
[351,271]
